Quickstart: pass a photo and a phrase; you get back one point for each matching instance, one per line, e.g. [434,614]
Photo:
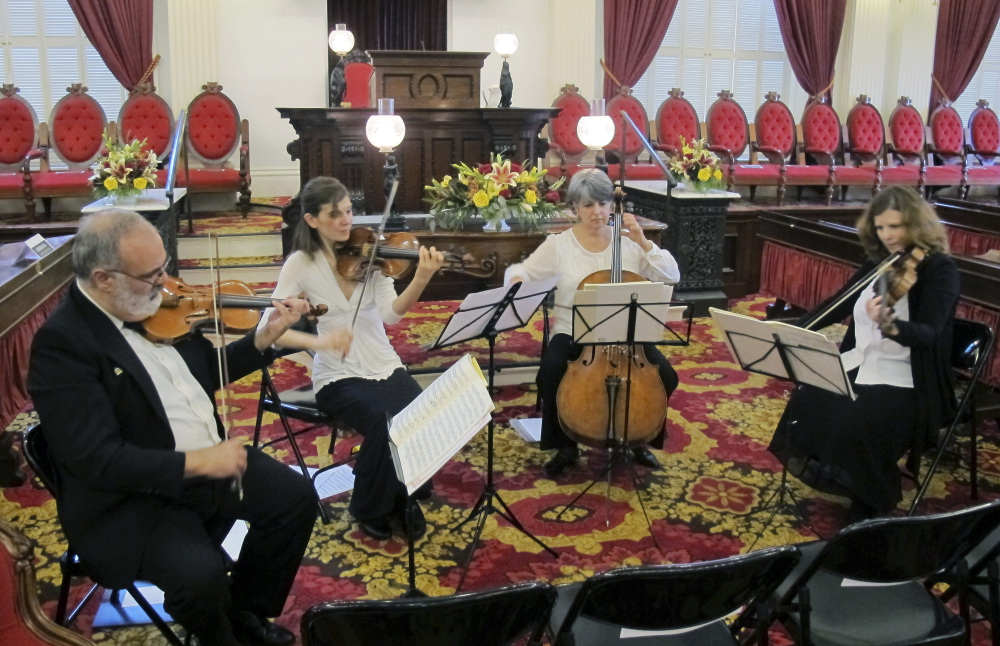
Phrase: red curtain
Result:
[633,32]
[122,33]
[801,279]
[964,31]
[810,30]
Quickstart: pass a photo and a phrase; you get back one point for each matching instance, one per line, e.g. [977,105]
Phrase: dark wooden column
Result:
[695,233]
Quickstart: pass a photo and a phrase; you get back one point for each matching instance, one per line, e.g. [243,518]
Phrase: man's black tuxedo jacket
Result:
[109,435]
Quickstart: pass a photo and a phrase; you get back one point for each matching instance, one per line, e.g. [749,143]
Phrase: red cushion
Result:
[213,127]
[44,180]
[950,174]
[984,130]
[636,171]
[17,130]
[562,127]
[775,127]
[908,175]
[147,116]
[851,176]
[821,128]
[676,119]
[947,130]
[77,129]
[864,126]
[214,178]
[161,178]
[806,174]
[727,126]
[634,109]
[907,128]
[984,175]
[357,76]
[11,181]
[755,172]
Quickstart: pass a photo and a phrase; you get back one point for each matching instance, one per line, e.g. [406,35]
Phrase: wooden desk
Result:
[497,250]
[331,142]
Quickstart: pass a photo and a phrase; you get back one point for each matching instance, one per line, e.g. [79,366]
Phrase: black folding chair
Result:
[487,618]
[970,348]
[299,404]
[865,585]
[36,452]
[688,600]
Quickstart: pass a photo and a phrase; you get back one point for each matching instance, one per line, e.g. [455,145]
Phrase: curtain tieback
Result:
[146,75]
[940,89]
[610,75]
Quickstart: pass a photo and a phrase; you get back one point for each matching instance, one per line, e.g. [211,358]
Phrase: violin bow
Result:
[215,269]
[371,258]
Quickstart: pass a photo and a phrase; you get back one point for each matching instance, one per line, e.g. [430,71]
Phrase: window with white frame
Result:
[714,45]
[985,84]
[45,51]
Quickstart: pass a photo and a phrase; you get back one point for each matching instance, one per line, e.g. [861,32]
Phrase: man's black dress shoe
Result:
[258,631]
[645,457]
[564,459]
[378,528]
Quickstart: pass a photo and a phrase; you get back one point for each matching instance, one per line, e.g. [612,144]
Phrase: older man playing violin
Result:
[147,477]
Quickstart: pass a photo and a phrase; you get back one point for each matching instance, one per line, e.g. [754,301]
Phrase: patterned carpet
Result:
[700,504]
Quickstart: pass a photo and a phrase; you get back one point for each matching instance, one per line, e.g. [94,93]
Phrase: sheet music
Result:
[439,422]
[477,310]
[601,312]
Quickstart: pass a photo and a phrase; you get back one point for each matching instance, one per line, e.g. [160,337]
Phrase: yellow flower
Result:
[687,150]
[704,175]
[446,180]
[139,183]
[110,183]
[530,196]
[718,174]
[492,189]
[480,199]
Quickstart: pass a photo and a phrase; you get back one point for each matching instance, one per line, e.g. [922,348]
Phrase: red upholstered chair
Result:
[625,102]
[821,143]
[947,165]
[563,140]
[22,621]
[865,140]
[676,119]
[728,131]
[358,76]
[18,141]
[775,140]
[214,133]
[75,131]
[907,146]
[982,146]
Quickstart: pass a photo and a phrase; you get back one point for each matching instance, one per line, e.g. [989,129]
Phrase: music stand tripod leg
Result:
[411,517]
[484,506]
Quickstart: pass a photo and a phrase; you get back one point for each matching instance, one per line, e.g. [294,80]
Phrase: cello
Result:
[612,394]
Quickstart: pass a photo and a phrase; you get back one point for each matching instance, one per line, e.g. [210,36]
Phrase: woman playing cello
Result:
[575,254]
[357,376]
[898,359]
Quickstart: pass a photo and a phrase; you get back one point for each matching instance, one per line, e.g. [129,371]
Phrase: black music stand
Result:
[483,315]
[615,323]
[789,353]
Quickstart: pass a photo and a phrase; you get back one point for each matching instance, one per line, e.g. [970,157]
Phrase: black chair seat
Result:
[896,613]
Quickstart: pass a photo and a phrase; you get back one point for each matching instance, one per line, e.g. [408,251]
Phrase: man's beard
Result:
[139,305]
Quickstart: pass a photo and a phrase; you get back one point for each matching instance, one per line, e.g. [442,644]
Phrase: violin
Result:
[185,308]
[901,275]
[395,256]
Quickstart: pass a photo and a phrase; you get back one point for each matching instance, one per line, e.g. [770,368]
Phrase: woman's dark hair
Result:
[318,192]
[923,228]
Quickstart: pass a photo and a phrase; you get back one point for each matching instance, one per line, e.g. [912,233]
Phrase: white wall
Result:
[274,54]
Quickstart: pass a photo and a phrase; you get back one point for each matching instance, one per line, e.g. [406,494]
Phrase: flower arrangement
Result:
[697,166]
[126,170]
[493,191]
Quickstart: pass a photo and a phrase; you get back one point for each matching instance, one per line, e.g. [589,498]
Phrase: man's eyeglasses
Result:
[150,278]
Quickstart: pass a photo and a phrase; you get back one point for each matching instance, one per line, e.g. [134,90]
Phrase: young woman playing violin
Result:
[897,357]
[574,254]
[357,376]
